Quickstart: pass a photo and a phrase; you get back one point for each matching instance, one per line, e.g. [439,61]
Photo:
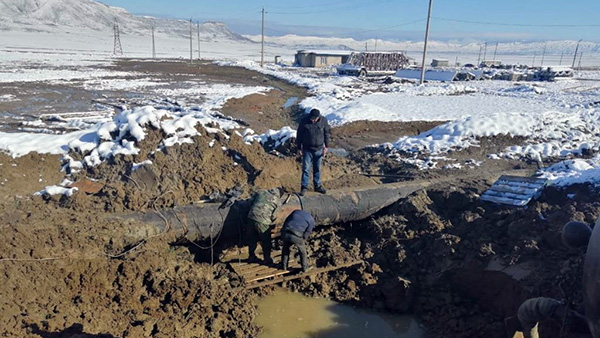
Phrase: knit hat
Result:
[314,113]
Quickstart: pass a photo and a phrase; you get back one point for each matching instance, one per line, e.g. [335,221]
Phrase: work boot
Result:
[303,191]
[284,267]
[321,189]
[268,261]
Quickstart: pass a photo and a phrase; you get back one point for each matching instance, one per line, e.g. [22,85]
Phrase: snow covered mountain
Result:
[51,15]
[311,42]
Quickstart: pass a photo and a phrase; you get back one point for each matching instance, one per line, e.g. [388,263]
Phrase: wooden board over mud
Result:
[258,274]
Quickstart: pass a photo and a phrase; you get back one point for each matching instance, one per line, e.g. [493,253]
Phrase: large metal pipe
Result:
[203,221]
[591,281]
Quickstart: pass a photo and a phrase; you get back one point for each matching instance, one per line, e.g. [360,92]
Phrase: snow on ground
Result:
[549,134]
[108,139]
[7,98]
[343,99]
[278,137]
[576,171]
[557,119]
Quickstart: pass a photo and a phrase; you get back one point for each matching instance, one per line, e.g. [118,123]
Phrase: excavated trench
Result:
[457,264]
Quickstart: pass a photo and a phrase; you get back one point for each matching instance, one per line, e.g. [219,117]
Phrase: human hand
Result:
[325,150]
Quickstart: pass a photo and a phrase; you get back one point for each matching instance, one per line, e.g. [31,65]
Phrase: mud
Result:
[458,264]
[78,275]
[359,134]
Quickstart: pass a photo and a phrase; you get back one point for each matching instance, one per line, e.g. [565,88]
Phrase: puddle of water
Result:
[290,102]
[288,314]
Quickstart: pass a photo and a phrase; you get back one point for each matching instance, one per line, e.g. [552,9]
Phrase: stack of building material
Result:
[515,190]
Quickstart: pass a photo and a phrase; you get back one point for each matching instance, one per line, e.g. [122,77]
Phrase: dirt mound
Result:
[68,271]
[25,175]
[460,264]
[81,276]
[186,173]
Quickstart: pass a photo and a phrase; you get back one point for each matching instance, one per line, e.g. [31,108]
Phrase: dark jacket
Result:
[312,136]
[299,223]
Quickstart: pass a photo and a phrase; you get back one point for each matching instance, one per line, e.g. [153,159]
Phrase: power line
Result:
[387,27]
[511,24]
[243,15]
[357,32]
[313,6]
[334,9]
[277,31]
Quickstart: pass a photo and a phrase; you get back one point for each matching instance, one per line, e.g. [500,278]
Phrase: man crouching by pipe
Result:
[296,229]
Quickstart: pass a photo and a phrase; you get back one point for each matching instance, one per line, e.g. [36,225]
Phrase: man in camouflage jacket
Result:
[260,217]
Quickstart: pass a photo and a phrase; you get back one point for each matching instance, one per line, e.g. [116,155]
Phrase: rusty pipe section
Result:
[206,220]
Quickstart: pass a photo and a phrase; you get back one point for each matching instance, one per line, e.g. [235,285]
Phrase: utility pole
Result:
[191,47]
[262,40]
[479,57]
[495,50]
[375,44]
[575,55]
[580,56]
[117,49]
[543,55]
[484,51]
[426,38]
[153,45]
[456,61]
[534,55]
[366,47]
[198,40]
[561,57]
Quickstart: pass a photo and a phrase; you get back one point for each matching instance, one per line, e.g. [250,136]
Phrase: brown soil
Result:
[68,272]
[433,255]
[25,175]
[359,134]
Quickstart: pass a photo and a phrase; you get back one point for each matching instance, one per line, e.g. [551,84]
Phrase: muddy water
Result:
[288,314]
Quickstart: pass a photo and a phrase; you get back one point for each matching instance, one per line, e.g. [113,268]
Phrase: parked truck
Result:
[373,63]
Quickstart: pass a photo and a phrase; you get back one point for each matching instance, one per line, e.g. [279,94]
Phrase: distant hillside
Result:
[48,15]
[311,42]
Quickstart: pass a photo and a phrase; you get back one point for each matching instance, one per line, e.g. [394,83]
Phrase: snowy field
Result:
[558,119]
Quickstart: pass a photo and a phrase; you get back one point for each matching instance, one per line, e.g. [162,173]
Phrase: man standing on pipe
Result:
[312,140]
[261,215]
[296,229]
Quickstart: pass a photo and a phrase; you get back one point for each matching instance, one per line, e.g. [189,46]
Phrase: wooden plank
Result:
[513,189]
[520,184]
[273,274]
[533,180]
[501,200]
[507,195]
[284,278]
[261,270]
[252,266]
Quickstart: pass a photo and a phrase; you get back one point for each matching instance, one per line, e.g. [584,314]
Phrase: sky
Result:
[452,20]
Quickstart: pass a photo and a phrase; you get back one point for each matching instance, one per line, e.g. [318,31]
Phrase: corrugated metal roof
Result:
[327,52]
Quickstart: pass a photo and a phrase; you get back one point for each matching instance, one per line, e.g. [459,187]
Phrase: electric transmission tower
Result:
[117,50]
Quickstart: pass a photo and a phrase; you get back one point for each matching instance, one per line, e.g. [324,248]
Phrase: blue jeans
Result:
[314,159]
